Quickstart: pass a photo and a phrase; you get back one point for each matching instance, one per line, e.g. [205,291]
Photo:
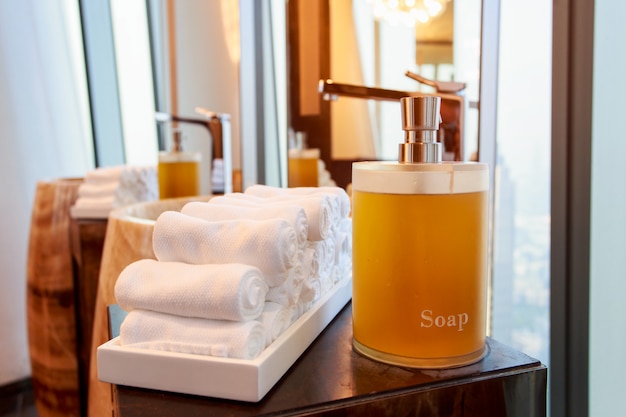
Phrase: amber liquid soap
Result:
[303,167]
[418,306]
[178,171]
[178,178]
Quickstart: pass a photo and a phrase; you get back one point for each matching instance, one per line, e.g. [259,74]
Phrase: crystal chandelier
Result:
[408,12]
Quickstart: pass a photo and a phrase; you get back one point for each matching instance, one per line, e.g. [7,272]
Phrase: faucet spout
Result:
[212,123]
[453,87]
[332,90]
[452,108]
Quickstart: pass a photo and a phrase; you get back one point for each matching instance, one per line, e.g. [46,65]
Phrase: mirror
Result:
[325,39]
[227,56]
[196,59]
[367,53]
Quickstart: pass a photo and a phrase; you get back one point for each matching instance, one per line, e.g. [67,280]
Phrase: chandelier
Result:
[408,12]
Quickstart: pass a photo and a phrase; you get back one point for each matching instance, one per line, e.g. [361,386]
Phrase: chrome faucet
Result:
[218,126]
[452,105]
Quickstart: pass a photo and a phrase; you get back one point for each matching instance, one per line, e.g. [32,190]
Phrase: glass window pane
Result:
[521,265]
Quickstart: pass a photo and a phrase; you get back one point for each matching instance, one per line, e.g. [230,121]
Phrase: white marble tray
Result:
[235,379]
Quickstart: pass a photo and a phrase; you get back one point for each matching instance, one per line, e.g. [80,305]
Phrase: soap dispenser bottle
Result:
[178,170]
[302,163]
[420,230]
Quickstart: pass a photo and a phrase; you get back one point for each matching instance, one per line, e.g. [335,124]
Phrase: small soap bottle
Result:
[178,171]
[420,250]
[303,164]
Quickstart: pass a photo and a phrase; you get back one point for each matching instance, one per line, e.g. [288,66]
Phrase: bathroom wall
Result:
[44,134]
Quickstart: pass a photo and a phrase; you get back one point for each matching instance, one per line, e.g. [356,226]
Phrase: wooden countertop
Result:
[331,379]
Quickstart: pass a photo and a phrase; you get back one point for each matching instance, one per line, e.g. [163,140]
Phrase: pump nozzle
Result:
[420,122]
[177,141]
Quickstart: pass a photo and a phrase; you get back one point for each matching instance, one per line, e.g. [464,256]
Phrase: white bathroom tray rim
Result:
[225,378]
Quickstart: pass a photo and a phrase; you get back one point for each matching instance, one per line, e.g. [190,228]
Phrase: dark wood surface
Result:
[87,241]
[331,379]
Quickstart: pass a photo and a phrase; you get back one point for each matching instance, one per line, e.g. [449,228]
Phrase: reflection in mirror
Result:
[196,57]
[353,43]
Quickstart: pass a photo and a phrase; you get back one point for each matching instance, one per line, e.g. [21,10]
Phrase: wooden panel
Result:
[316,126]
[87,237]
[50,301]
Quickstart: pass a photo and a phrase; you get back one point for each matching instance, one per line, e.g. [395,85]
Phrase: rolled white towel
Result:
[153,330]
[303,306]
[266,191]
[311,263]
[346,225]
[217,212]
[288,292]
[311,291]
[343,247]
[338,193]
[327,281]
[323,176]
[270,245]
[341,195]
[318,209]
[325,255]
[278,279]
[213,291]
[276,319]
[329,248]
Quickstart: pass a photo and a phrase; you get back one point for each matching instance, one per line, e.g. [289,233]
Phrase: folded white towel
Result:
[214,291]
[106,201]
[276,319]
[318,209]
[233,339]
[104,174]
[104,189]
[97,190]
[270,245]
[218,212]
[137,184]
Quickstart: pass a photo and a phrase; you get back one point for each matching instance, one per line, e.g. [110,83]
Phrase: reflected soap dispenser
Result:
[178,171]
[420,250]
[302,163]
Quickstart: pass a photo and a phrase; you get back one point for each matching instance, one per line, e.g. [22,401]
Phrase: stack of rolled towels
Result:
[232,274]
[104,189]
